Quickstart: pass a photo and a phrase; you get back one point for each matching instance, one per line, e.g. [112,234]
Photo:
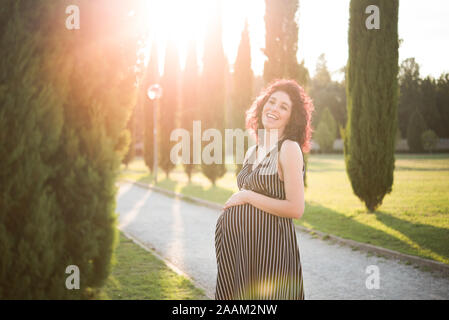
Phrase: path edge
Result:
[422,262]
[170,265]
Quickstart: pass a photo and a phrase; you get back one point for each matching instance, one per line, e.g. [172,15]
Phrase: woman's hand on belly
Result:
[238,198]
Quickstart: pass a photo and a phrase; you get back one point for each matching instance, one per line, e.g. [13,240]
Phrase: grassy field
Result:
[138,274]
[413,219]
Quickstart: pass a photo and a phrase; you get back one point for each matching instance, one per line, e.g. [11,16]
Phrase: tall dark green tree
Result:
[423,95]
[190,100]
[150,77]
[64,109]
[168,116]
[338,108]
[31,120]
[243,79]
[281,42]
[442,102]
[410,97]
[320,90]
[327,94]
[100,97]
[273,44]
[428,106]
[131,140]
[372,91]
[213,98]
[293,69]
[415,129]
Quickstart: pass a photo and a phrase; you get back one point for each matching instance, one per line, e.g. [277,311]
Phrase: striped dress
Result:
[257,252]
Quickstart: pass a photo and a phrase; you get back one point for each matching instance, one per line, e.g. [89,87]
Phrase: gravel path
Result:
[184,234]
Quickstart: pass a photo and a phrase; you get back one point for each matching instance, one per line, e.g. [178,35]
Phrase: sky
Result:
[323,27]
[423,27]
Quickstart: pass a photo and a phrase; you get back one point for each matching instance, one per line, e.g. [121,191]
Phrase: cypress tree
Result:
[372,101]
[213,96]
[281,42]
[151,76]
[243,87]
[98,105]
[131,141]
[31,120]
[442,102]
[428,106]
[168,115]
[410,97]
[327,93]
[321,89]
[190,100]
[415,129]
[64,110]
[292,69]
[273,40]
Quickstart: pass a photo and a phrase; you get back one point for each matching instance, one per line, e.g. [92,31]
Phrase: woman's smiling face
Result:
[276,112]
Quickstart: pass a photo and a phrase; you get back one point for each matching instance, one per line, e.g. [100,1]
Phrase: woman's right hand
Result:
[238,198]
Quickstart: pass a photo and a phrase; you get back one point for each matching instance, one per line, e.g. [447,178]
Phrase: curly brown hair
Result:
[299,127]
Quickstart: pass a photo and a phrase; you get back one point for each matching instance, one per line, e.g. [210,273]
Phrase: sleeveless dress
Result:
[257,252]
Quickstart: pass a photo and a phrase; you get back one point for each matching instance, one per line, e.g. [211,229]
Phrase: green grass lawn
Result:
[413,219]
[138,274]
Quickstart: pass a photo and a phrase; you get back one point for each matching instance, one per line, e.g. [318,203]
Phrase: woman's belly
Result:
[247,219]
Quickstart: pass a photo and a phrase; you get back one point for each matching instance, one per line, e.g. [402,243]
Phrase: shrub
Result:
[324,137]
[429,140]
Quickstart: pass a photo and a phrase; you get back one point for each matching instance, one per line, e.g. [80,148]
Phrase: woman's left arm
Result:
[290,160]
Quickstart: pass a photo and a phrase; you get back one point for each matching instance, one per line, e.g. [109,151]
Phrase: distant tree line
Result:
[329,99]
[423,105]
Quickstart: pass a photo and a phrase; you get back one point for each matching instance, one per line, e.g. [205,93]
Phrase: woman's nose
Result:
[276,106]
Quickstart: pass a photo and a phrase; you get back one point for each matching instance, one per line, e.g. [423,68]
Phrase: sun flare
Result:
[181,21]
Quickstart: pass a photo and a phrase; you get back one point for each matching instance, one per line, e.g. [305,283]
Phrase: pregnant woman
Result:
[255,241]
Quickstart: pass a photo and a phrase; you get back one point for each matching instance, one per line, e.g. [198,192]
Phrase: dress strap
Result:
[280,142]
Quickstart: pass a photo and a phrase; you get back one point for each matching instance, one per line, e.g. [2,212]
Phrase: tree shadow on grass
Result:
[405,168]
[327,220]
[421,156]
[428,237]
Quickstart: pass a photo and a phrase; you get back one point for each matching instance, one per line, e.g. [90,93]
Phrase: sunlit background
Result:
[77,124]
[323,27]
